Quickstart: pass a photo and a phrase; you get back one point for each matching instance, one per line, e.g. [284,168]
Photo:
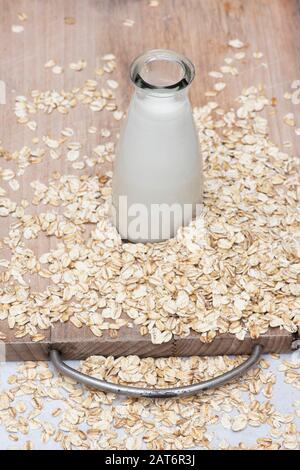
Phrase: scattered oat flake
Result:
[219,86]
[257,55]
[226,421]
[239,423]
[69,20]
[105,132]
[51,143]
[118,115]
[78,165]
[57,69]
[289,119]
[229,69]
[112,84]
[16,28]
[236,43]
[72,155]
[108,57]
[32,125]
[287,144]
[297,131]
[92,130]
[210,93]
[78,66]
[14,184]
[215,74]
[49,64]
[240,55]
[22,16]
[55,155]
[67,132]
[128,22]
[153,3]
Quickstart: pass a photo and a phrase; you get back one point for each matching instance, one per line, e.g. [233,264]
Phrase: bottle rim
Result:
[187,70]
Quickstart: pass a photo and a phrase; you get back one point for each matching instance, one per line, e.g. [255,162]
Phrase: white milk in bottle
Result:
[157,179]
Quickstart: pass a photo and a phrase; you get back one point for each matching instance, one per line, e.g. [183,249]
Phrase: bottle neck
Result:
[161,72]
[165,96]
[160,107]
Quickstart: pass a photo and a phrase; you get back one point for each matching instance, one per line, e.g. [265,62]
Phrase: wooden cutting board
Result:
[198,28]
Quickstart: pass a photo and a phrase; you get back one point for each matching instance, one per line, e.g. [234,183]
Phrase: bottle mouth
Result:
[162,70]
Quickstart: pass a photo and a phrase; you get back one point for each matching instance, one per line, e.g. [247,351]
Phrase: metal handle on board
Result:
[127,390]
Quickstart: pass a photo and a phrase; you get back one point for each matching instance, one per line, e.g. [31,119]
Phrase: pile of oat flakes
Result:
[235,269]
[66,414]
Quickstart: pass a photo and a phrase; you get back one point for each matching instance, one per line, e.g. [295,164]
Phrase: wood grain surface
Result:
[198,28]
[74,343]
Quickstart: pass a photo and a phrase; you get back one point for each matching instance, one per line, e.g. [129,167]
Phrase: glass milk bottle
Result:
[157,181]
